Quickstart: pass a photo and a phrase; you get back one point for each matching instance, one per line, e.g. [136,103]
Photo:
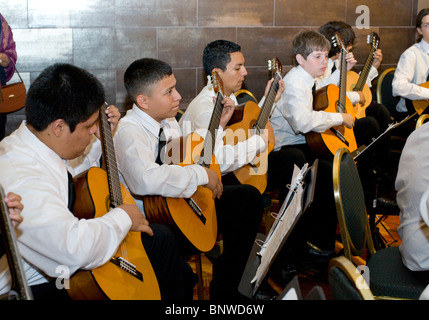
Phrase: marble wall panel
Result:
[155,13]
[183,47]
[235,13]
[38,48]
[308,12]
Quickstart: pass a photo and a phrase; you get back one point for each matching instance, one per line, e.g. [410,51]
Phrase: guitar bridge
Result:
[127,267]
[196,209]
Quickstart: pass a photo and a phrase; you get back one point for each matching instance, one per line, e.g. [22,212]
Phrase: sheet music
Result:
[284,222]
[391,126]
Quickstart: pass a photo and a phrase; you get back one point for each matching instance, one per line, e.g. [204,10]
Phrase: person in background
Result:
[413,69]
[412,184]
[8,58]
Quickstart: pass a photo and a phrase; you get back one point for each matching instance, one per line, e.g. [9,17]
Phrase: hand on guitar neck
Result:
[227,111]
[113,116]
[280,89]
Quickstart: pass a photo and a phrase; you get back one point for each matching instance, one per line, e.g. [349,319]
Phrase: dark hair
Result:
[423,13]
[142,74]
[217,55]
[345,30]
[63,91]
[305,42]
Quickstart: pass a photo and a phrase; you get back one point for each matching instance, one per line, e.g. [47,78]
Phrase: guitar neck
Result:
[343,82]
[265,113]
[19,289]
[210,139]
[109,157]
[365,71]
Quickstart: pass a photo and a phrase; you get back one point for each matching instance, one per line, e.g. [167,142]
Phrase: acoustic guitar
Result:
[19,287]
[194,217]
[128,275]
[333,99]
[252,121]
[356,82]
[421,105]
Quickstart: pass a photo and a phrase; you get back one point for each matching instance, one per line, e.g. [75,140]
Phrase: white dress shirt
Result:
[50,236]
[197,117]
[136,144]
[411,71]
[412,184]
[294,115]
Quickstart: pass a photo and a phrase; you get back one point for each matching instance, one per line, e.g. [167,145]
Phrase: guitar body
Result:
[176,212]
[421,105]
[254,174]
[360,110]
[110,281]
[325,144]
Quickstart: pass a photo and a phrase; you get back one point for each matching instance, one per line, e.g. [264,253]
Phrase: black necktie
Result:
[313,90]
[72,192]
[333,68]
[161,145]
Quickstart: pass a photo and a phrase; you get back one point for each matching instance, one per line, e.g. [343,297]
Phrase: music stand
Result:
[266,248]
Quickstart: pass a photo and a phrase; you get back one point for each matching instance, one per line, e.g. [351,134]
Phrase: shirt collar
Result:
[149,123]
[306,77]
[425,46]
[45,153]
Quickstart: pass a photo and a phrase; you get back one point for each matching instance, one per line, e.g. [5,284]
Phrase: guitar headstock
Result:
[337,41]
[274,66]
[217,82]
[374,40]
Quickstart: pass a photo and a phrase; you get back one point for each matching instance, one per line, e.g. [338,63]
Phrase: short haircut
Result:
[141,76]
[63,91]
[305,42]
[422,13]
[217,55]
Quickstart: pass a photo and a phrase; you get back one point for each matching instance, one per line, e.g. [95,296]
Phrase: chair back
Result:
[384,90]
[350,205]
[422,119]
[244,95]
[346,282]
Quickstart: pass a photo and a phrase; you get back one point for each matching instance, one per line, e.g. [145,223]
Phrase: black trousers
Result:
[239,213]
[175,277]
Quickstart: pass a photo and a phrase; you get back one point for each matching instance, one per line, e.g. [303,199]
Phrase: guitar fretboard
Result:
[343,82]
[210,139]
[265,113]
[109,157]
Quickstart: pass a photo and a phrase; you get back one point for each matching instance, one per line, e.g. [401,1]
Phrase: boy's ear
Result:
[300,59]
[142,101]
[58,126]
